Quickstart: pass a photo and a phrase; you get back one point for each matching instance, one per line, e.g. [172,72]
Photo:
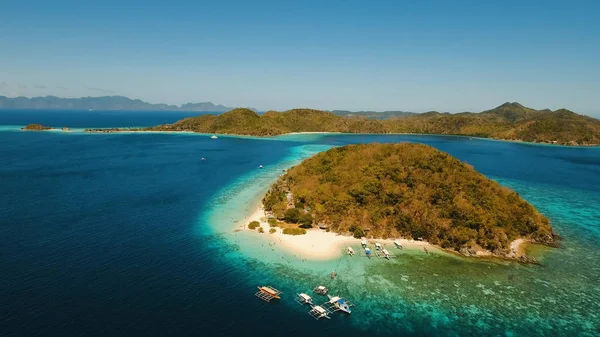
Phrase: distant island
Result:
[37,127]
[411,191]
[509,121]
[102,103]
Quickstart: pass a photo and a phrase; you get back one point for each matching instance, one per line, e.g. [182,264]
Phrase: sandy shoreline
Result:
[318,244]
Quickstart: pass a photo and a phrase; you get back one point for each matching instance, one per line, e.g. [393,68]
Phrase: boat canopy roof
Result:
[320,310]
[304,296]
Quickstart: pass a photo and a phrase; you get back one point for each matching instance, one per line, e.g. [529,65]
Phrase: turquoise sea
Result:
[133,235]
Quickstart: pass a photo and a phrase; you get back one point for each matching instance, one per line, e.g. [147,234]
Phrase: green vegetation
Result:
[510,121]
[408,190]
[261,230]
[272,222]
[37,127]
[272,230]
[253,225]
[294,231]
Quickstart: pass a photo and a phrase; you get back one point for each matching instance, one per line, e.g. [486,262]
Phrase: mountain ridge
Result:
[103,103]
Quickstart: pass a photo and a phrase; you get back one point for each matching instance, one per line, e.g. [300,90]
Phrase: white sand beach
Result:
[318,244]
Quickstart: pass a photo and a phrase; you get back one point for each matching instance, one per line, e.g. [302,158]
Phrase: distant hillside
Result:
[408,190]
[101,103]
[373,114]
[509,121]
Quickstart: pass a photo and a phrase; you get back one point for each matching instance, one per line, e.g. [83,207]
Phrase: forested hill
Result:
[408,190]
[510,121]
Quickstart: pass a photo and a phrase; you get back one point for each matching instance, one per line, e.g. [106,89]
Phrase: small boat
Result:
[260,166]
[268,293]
[368,252]
[363,242]
[339,304]
[377,245]
[350,251]
[319,312]
[304,299]
[321,290]
[333,274]
[213,137]
[398,244]
[203,158]
[386,254]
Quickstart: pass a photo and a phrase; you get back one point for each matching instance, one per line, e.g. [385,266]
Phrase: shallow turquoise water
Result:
[133,235]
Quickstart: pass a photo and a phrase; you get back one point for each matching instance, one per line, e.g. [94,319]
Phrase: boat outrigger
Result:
[268,293]
[367,252]
[303,298]
[384,253]
[321,290]
[318,312]
[337,303]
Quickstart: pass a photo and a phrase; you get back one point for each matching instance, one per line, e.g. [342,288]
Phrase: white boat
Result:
[304,299]
[386,254]
[363,242]
[350,251]
[339,303]
[260,166]
[319,312]
[213,137]
[377,245]
[397,243]
[321,290]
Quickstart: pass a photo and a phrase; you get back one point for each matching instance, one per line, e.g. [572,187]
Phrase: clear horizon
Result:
[351,55]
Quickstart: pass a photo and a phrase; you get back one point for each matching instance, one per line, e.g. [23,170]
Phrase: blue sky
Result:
[377,55]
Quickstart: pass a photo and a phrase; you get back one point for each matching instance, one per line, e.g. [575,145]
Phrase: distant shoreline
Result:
[125,130]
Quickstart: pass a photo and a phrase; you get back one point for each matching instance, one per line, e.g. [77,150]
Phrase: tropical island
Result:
[410,191]
[37,127]
[509,121]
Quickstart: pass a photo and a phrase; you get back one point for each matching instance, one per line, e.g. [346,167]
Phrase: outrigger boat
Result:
[377,245]
[337,303]
[318,312]
[303,298]
[398,244]
[268,293]
[321,290]
[368,252]
[363,242]
[350,251]
[386,254]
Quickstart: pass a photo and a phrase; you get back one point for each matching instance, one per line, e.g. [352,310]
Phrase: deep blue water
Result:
[97,119]
[101,235]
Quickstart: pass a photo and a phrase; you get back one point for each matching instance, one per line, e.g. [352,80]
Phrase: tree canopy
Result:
[510,121]
[408,190]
